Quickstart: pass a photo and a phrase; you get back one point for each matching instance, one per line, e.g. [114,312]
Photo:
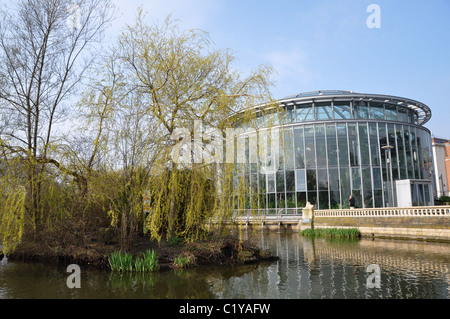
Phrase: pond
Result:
[307,269]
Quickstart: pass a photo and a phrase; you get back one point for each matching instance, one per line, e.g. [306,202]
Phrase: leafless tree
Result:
[46,47]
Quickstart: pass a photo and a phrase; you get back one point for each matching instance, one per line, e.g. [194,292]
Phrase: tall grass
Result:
[344,233]
[124,262]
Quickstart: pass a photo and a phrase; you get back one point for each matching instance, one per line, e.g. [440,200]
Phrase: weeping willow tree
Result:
[183,80]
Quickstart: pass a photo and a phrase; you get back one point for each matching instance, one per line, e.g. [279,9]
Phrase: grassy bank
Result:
[344,233]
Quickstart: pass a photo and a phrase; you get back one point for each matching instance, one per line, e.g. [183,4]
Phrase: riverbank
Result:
[215,250]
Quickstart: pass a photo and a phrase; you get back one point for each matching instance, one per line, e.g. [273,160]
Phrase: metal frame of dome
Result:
[422,110]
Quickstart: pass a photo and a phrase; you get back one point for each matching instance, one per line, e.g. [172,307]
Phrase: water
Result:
[307,269]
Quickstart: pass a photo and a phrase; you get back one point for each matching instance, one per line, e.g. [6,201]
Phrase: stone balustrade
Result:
[426,211]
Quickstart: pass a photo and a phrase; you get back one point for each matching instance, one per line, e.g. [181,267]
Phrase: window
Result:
[391,112]
[331,145]
[341,110]
[290,181]
[301,181]
[360,110]
[304,112]
[299,148]
[311,179]
[310,153]
[376,110]
[323,111]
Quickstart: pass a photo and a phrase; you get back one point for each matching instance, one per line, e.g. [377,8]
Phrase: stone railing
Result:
[426,211]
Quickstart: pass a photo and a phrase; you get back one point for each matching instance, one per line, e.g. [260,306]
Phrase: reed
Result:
[124,262]
[345,233]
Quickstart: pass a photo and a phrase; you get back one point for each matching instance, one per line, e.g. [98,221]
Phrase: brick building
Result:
[441,159]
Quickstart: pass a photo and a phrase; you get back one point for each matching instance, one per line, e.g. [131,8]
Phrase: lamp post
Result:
[387,149]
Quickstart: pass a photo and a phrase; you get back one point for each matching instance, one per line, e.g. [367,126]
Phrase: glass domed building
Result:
[335,144]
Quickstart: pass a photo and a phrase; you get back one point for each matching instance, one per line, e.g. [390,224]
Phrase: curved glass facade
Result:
[333,147]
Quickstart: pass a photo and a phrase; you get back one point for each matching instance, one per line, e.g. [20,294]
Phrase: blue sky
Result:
[326,44]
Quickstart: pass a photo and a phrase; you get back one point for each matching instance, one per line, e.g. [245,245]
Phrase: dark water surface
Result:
[308,268]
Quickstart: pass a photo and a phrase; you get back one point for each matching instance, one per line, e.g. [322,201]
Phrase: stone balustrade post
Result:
[308,215]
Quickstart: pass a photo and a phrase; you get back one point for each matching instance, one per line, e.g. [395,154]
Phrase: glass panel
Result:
[262,201]
[301,199]
[321,149]
[360,110]
[392,141]
[323,200]
[333,179]
[290,181]
[342,144]
[290,200]
[376,178]
[401,152]
[374,146]
[281,200]
[262,183]
[332,145]
[323,111]
[310,156]
[353,144]
[299,149]
[342,110]
[408,160]
[271,200]
[344,175]
[312,198]
[322,178]
[409,114]
[415,155]
[376,110]
[280,181]
[288,145]
[301,180]
[366,178]
[334,199]
[402,114]
[391,112]
[304,112]
[311,179]
[356,178]
[290,113]
[364,144]
[358,198]
[378,198]
[368,199]
[427,197]
[270,183]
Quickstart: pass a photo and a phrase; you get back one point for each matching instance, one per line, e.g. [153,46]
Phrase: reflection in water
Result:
[308,268]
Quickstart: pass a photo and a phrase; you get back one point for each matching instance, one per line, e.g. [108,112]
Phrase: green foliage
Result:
[444,199]
[124,262]
[175,240]
[344,233]
[182,261]
[12,214]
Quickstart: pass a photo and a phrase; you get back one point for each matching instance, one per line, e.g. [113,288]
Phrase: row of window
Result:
[337,110]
